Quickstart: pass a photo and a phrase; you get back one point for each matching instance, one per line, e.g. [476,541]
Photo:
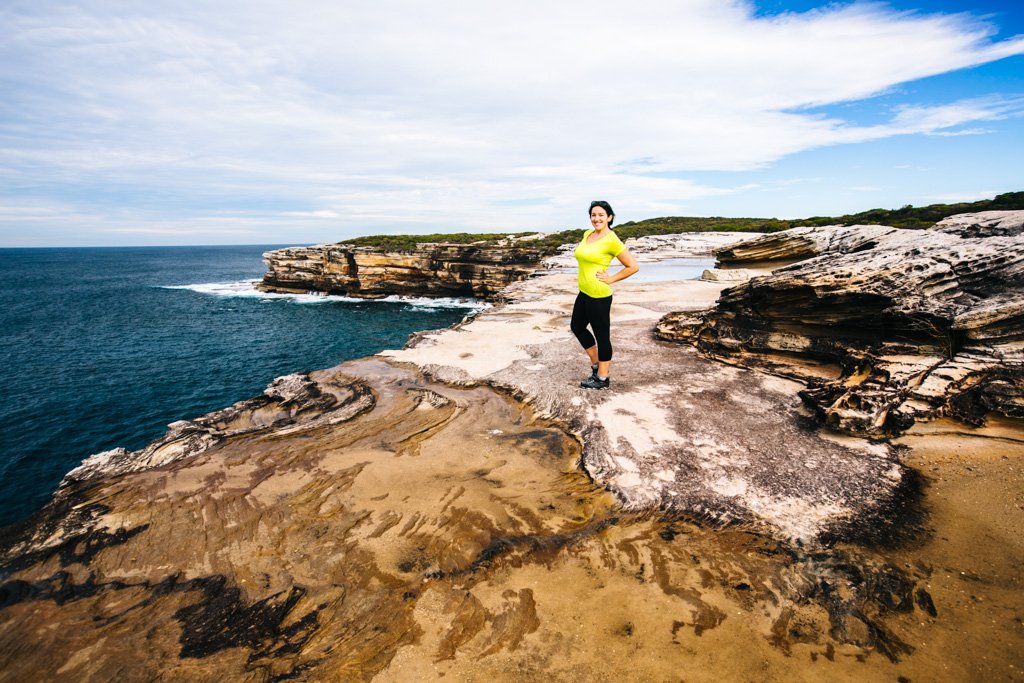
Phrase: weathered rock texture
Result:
[984,224]
[886,326]
[292,400]
[802,243]
[431,270]
[734,275]
[676,431]
[442,531]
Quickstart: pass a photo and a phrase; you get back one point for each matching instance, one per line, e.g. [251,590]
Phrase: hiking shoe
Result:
[595,383]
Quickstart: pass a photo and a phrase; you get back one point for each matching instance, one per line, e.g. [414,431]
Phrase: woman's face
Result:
[598,218]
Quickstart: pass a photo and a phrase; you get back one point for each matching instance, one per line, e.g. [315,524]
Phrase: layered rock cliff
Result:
[431,269]
[886,326]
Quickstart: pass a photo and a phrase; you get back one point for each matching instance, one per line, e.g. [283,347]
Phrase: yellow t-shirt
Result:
[593,258]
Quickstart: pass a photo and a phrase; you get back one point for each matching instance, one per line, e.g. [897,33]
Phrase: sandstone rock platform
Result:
[675,431]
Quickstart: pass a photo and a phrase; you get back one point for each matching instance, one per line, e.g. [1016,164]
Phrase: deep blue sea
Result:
[104,347]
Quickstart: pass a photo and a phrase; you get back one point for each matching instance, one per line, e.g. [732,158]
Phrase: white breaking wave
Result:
[440,302]
[247,289]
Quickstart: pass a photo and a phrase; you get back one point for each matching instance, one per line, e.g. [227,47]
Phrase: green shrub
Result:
[921,217]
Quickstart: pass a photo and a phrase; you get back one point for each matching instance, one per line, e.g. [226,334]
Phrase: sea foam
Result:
[247,289]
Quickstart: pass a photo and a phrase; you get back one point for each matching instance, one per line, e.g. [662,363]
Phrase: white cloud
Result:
[423,115]
[313,214]
[173,231]
[957,197]
[958,133]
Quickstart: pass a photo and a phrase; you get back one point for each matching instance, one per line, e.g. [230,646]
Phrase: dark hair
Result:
[607,209]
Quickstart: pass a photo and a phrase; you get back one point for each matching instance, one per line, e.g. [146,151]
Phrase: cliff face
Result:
[887,326]
[431,270]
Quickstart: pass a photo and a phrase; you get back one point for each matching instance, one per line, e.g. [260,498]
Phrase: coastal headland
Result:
[792,478]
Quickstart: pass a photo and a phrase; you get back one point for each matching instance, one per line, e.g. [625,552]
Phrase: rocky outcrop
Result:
[676,432]
[684,245]
[802,243]
[289,401]
[720,275]
[886,326]
[431,269]
[983,224]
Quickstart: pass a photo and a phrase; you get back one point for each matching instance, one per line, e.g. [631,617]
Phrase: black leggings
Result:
[594,312]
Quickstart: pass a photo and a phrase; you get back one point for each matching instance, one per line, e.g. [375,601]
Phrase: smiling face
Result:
[599,218]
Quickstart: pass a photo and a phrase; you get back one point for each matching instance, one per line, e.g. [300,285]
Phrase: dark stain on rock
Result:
[924,601]
[60,587]
[543,442]
[523,546]
[898,521]
[846,607]
[217,621]
[79,548]
[221,620]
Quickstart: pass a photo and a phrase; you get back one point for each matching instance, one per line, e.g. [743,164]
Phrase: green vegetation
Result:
[548,244]
[409,242]
[904,217]
[672,225]
[920,217]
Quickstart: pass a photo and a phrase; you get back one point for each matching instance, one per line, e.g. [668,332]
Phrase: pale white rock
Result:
[720,275]
[983,224]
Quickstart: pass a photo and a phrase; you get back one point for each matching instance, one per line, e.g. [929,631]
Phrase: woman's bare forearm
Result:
[623,274]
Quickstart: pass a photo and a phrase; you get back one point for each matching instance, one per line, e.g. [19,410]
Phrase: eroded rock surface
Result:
[983,224]
[288,401]
[801,243]
[677,431]
[887,326]
[442,531]
[464,270]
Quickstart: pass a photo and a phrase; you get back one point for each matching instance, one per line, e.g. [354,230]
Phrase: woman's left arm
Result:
[630,267]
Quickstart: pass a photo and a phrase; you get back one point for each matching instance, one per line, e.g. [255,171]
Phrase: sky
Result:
[313,121]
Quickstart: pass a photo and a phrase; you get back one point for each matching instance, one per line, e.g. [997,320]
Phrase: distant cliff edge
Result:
[428,269]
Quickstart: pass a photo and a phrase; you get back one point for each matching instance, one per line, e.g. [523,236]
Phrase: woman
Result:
[594,302]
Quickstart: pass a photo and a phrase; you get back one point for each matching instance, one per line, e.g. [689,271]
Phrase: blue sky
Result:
[312,121]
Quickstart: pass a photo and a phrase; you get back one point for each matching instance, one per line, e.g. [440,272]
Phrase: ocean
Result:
[103,347]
